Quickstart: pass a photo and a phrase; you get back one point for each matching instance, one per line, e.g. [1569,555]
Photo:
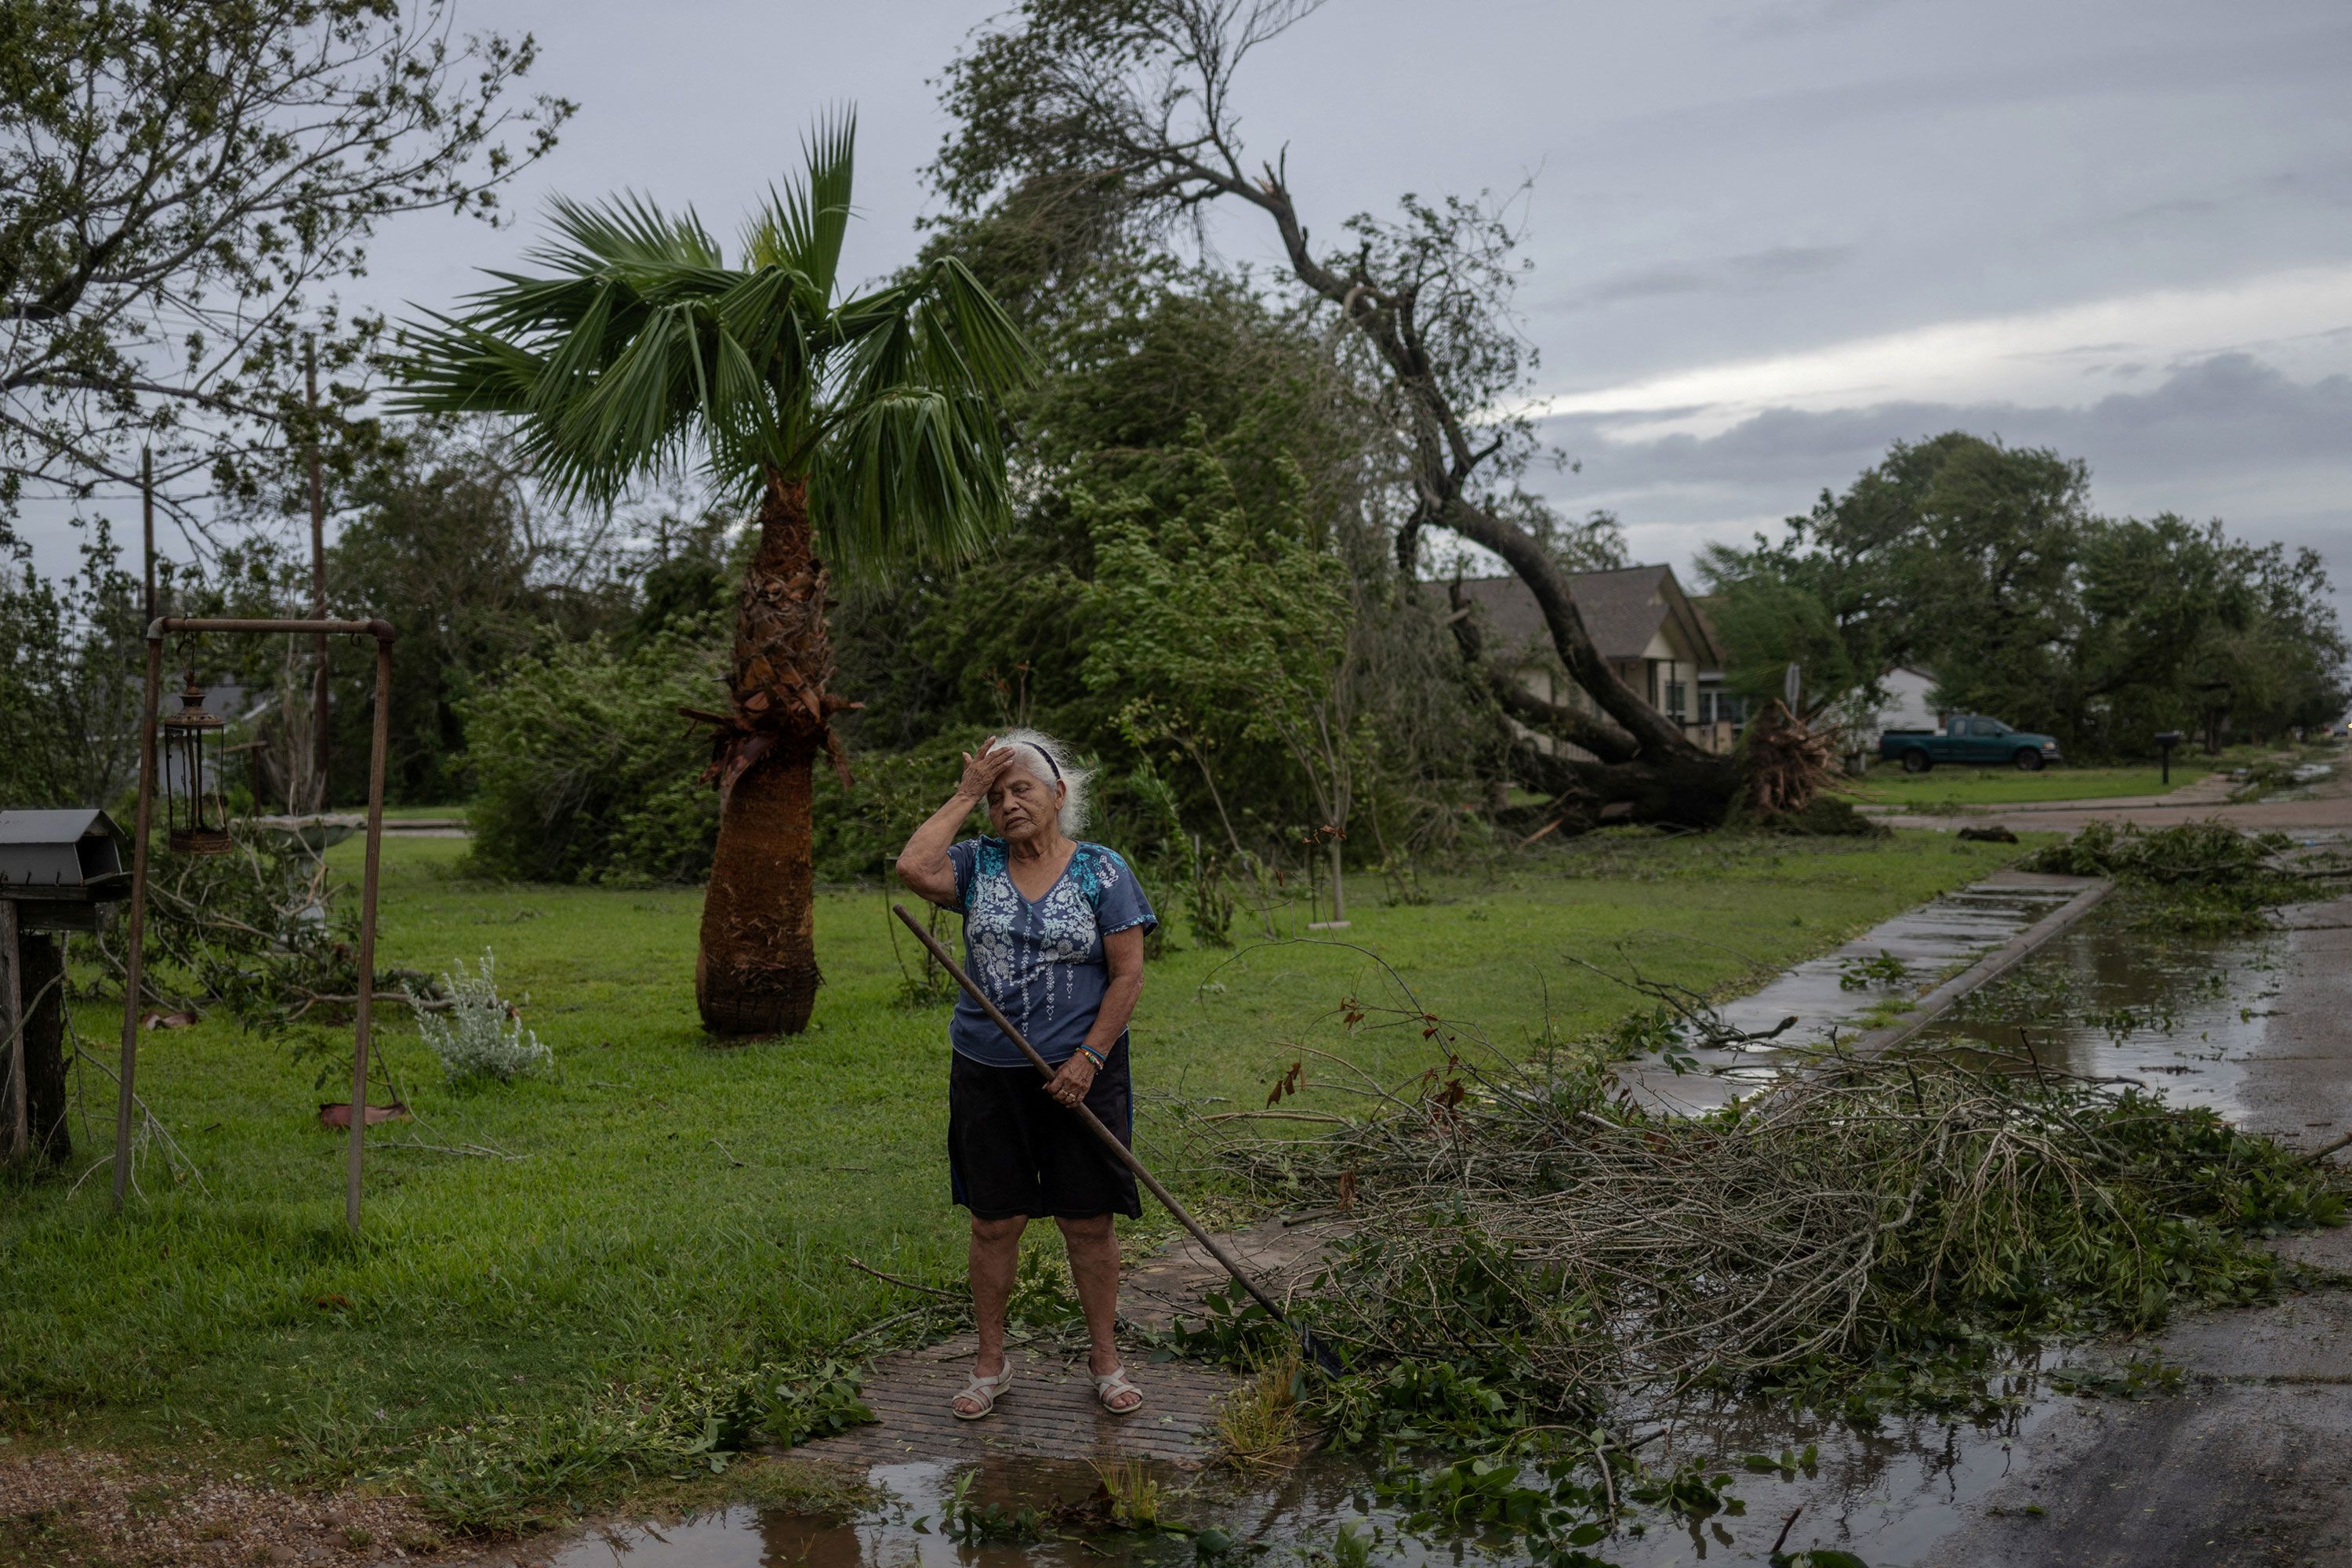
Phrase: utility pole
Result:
[320,715]
[147,520]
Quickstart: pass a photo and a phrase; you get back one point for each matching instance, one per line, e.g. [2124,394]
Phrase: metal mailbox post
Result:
[55,868]
[157,630]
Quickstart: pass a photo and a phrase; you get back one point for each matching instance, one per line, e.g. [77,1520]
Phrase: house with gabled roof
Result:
[1651,633]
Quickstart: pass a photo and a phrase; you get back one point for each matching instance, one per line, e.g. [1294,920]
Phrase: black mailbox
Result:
[58,867]
[2165,741]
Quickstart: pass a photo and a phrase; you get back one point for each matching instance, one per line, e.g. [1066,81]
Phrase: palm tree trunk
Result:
[756,973]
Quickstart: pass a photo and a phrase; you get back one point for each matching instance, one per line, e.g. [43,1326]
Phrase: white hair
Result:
[1047,760]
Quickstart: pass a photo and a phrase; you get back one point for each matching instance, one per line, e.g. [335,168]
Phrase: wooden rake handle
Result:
[1110,1140]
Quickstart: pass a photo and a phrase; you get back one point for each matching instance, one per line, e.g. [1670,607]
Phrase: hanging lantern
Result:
[195,815]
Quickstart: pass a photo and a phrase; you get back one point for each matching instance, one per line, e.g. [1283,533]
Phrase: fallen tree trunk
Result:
[1619,781]
[1697,791]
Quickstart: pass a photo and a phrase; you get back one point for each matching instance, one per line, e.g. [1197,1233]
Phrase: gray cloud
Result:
[1742,274]
[2230,409]
[1793,18]
[2227,436]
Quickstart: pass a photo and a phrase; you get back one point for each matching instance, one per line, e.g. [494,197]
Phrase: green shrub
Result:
[585,772]
[860,830]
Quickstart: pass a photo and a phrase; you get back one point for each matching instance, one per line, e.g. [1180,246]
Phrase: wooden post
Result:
[147,519]
[12,1020]
[319,705]
[134,980]
[367,928]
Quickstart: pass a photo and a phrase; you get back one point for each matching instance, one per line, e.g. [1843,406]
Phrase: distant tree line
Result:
[1984,566]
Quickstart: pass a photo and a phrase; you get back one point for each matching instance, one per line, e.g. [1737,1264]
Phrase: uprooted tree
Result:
[1101,119]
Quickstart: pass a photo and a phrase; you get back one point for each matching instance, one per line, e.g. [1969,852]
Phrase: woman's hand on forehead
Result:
[984,772]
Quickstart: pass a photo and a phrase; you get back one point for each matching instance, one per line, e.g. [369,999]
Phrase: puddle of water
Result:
[1887,1493]
[2180,1014]
[1929,942]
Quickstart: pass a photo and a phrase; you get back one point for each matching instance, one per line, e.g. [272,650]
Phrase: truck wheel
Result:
[1916,761]
[2029,762]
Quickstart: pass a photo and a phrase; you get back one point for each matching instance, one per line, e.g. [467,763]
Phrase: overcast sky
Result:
[1769,237]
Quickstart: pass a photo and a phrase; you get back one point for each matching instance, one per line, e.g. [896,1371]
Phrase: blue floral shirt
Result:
[1041,962]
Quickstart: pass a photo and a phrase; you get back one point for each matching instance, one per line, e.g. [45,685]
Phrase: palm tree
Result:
[868,424]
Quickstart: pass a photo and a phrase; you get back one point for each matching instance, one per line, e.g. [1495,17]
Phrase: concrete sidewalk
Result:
[2252,1463]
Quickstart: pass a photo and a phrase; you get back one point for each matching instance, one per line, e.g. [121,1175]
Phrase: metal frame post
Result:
[12,1019]
[157,630]
[361,1031]
[133,982]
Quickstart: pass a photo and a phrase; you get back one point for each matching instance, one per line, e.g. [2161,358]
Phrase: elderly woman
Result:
[1053,931]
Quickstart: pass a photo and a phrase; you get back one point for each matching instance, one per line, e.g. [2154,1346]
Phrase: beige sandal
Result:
[984,1392]
[1111,1384]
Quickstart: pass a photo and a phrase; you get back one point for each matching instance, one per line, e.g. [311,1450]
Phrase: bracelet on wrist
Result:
[1091,1055]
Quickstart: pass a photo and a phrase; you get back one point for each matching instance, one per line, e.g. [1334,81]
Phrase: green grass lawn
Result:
[514,1332]
[419,812]
[1888,784]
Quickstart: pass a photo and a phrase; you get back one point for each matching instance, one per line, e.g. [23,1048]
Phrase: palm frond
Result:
[626,234]
[455,367]
[802,227]
[914,475]
[633,417]
[998,357]
[642,351]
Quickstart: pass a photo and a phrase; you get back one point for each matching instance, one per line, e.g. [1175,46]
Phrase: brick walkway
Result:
[1050,1412]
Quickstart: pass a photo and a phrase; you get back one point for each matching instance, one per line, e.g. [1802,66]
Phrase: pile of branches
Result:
[2192,854]
[262,932]
[1534,1223]
[2203,876]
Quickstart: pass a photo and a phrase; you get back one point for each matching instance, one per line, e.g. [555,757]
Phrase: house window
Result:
[1675,708]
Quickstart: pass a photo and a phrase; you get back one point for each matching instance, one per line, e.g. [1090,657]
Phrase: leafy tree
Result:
[447,537]
[1955,554]
[71,665]
[869,424]
[1153,364]
[1225,629]
[2163,604]
[1121,118]
[1764,624]
[179,177]
[584,772]
[1984,565]
[2310,653]
[2191,630]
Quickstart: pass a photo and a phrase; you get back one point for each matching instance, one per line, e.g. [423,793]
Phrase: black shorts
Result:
[1012,1151]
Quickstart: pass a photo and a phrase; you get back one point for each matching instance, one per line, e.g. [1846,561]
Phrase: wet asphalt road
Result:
[2252,1463]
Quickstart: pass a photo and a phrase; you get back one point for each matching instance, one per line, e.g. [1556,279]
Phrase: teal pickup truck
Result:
[1971,741]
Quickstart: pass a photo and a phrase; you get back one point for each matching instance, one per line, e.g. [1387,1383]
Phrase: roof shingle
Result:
[1623,610]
